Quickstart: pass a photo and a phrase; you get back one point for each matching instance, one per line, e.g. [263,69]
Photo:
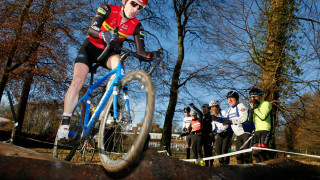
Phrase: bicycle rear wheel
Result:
[121,140]
[67,150]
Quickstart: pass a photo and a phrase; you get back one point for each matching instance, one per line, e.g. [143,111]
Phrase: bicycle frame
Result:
[112,89]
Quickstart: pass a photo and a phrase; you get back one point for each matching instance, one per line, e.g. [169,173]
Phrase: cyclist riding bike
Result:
[101,32]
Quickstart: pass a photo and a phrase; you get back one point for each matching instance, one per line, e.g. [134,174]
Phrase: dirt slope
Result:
[20,163]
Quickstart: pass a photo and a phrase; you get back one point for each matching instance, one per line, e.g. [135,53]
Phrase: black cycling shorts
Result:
[262,137]
[88,54]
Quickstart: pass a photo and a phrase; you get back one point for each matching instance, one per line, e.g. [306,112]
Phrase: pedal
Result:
[72,134]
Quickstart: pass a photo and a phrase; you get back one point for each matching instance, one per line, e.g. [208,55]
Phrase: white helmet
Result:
[214,103]
[193,113]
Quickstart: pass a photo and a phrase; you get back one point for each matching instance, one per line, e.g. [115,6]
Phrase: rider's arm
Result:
[139,41]
[102,13]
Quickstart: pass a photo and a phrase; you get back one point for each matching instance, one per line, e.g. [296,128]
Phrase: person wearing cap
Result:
[260,115]
[186,123]
[224,132]
[237,117]
[196,130]
[207,137]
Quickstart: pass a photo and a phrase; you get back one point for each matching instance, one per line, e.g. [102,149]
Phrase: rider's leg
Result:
[79,76]
[112,63]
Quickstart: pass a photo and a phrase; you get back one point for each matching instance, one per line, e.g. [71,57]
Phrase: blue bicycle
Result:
[121,121]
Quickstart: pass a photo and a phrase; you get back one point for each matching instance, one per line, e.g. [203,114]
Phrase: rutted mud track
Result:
[20,163]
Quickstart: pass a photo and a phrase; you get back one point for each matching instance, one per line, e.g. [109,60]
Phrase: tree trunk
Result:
[167,127]
[273,62]
[23,104]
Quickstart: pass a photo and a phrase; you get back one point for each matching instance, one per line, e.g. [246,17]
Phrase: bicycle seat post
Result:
[92,72]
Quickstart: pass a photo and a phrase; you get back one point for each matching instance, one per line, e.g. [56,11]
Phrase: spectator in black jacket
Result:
[207,137]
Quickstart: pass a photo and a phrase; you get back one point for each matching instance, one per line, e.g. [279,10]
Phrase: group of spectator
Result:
[252,128]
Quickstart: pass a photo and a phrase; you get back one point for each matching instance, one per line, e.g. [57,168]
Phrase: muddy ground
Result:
[21,163]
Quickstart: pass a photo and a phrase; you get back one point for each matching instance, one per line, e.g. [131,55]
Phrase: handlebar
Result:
[127,52]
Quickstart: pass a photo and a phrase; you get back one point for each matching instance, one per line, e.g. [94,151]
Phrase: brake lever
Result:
[160,58]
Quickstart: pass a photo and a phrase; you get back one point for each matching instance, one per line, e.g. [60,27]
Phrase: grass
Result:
[49,152]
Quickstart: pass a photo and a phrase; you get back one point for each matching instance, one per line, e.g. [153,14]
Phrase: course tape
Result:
[286,152]
[245,151]
[40,141]
[165,151]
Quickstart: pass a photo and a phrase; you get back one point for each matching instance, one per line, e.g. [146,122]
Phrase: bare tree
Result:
[38,52]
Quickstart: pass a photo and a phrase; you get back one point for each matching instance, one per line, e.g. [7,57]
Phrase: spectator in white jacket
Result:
[237,117]
[224,132]
[186,123]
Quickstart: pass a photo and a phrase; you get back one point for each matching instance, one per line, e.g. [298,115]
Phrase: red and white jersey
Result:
[195,125]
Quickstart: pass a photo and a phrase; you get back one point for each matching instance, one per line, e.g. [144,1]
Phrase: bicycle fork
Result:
[126,101]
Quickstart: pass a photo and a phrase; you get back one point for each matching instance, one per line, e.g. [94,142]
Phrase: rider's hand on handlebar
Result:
[155,55]
[109,37]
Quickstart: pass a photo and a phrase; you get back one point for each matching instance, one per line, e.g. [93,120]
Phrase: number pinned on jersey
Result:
[101,11]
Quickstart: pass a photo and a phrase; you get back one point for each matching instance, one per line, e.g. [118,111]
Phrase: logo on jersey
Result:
[94,26]
[124,27]
[142,33]
[81,56]
[243,109]
[101,11]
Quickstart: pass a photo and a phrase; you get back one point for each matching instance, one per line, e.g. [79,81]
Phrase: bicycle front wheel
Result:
[86,151]
[121,140]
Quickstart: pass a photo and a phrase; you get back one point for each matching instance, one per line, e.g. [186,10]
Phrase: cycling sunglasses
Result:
[134,4]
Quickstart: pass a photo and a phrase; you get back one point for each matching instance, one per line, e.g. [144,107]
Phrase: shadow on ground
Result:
[20,163]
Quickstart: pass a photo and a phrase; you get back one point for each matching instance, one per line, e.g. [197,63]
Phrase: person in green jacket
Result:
[260,115]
